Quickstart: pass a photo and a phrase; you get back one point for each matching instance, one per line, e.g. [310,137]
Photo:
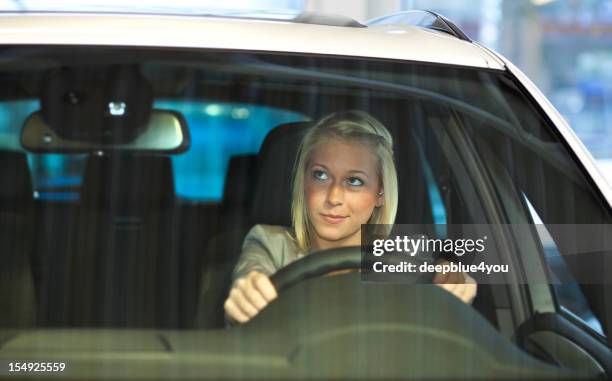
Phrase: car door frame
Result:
[544,331]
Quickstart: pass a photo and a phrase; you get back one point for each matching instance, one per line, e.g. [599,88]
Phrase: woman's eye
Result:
[355,181]
[319,175]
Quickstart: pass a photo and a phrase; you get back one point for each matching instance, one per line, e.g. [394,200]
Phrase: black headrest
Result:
[128,182]
[272,202]
[16,184]
[241,174]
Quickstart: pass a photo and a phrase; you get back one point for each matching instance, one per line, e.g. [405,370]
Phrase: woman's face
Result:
[342,189]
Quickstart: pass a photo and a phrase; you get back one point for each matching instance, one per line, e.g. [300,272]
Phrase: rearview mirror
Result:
[165,132]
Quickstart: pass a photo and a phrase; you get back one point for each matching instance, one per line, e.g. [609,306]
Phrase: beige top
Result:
[266,248]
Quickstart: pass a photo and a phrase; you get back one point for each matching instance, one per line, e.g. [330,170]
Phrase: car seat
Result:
[238,192]
[124,264]
[270,205]
[17,292]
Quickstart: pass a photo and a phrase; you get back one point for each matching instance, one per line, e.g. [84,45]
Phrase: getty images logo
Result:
[414,245]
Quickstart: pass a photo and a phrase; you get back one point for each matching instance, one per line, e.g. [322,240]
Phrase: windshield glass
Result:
[151,239]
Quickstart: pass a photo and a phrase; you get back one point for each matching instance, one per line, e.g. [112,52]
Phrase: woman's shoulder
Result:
[275,241]
[270,233]
[270,230]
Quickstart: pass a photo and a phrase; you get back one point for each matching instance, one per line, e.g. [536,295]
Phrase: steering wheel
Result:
[323,262]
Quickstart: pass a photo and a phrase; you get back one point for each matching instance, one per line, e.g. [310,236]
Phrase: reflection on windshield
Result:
[288,155]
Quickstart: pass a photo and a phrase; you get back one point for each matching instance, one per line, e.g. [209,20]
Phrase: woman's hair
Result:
[348,126]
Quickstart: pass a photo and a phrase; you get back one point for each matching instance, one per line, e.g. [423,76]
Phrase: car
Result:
[139,146]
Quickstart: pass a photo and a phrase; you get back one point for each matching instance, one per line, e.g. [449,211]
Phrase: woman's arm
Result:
[252,289]
[249,295]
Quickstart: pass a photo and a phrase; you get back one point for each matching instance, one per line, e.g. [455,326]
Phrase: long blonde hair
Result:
[352,125]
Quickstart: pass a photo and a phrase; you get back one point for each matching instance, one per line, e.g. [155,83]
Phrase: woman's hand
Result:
[459,284]
[249,295]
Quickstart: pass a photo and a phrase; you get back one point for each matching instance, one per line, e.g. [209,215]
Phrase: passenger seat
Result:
[126,267]
[17,295]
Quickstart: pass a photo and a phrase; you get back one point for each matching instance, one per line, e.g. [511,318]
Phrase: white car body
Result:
[392,42]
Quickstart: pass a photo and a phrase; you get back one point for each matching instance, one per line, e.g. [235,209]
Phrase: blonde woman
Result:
[344,176]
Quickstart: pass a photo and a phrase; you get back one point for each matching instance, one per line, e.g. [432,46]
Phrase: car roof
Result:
[394,42]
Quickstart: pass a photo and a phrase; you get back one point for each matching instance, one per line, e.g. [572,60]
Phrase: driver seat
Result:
[271,205]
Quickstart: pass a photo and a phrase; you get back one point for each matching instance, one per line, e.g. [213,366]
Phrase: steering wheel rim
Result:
[321,263]
[317,264]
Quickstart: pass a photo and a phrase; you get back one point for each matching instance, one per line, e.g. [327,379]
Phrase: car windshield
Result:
[97,234]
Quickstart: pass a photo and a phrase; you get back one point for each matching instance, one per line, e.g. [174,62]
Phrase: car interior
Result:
[129,252]
[123,247]
[118,257]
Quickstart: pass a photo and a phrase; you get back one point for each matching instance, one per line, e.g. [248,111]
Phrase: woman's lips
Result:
[333,219]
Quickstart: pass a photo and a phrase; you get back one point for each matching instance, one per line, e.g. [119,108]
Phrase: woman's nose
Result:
[335,195]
